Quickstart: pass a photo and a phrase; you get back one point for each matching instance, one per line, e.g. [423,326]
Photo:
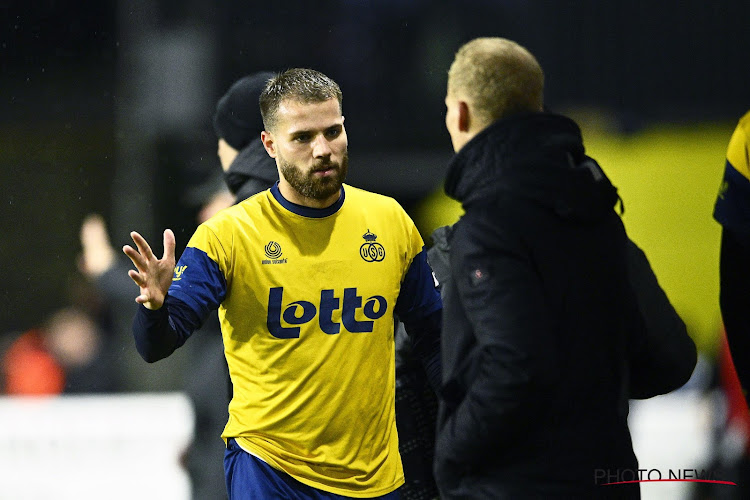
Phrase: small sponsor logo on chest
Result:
[274,254]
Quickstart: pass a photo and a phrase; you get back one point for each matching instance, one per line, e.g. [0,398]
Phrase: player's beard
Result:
[315,187]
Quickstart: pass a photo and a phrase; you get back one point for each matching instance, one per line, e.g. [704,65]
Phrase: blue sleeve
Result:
[198,282]
[198,287]
[419,296]
[420,308]
[158,333]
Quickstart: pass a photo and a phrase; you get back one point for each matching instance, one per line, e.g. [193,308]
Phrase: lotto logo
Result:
[301,311]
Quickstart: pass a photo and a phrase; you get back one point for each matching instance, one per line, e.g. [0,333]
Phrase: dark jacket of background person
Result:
[251,172]
[542,336]
[237,121]
[416,401]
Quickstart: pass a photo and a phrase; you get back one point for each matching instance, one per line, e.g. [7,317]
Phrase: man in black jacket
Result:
[237,122]
[544,338]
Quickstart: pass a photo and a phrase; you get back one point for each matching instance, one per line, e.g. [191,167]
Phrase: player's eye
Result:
[333,132]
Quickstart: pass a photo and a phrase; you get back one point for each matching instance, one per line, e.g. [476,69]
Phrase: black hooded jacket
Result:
[251,172]
[543,340]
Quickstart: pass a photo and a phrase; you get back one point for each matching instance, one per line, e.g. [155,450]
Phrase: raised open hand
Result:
[153,275]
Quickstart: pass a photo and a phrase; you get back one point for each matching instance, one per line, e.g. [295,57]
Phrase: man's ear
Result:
[464,116]
[267,139]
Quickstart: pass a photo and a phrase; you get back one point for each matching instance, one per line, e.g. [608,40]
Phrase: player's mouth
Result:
[326,171]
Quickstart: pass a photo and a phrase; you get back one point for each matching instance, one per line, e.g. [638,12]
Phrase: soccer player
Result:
[307,277]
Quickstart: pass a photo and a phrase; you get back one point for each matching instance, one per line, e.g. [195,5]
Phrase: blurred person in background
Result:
[63,356]
[732,211]
[247,167]
[205,374]
[312,407]
[29,368]
[77,343]
[544,339]
[104,267]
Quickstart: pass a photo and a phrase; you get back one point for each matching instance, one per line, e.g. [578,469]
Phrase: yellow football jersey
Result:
[306,299]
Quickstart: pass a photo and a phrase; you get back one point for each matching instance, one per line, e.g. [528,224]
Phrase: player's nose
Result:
[321,147]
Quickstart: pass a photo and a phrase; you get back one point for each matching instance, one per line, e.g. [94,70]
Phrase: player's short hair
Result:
[498,77]
[299,84]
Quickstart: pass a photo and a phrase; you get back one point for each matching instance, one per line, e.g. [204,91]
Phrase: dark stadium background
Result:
[106,106]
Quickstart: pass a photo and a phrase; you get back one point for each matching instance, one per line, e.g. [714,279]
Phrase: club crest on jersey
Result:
[274,253]
[371,250]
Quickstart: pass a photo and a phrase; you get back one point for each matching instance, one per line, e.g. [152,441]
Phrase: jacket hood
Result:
[537,156]
[440,238]
[251,171]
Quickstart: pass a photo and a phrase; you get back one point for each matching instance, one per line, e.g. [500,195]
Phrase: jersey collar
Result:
[315,213]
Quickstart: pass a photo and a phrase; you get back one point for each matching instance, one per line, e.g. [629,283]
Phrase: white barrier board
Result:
[95,447]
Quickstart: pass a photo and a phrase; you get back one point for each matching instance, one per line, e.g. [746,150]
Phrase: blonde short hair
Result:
[497,77]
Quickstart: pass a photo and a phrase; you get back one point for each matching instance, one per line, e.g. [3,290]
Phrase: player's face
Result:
[310,146]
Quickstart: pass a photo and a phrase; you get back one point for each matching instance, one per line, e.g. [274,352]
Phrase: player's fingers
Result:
[135,257]
[169,244]
[137,278]
[143,246]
